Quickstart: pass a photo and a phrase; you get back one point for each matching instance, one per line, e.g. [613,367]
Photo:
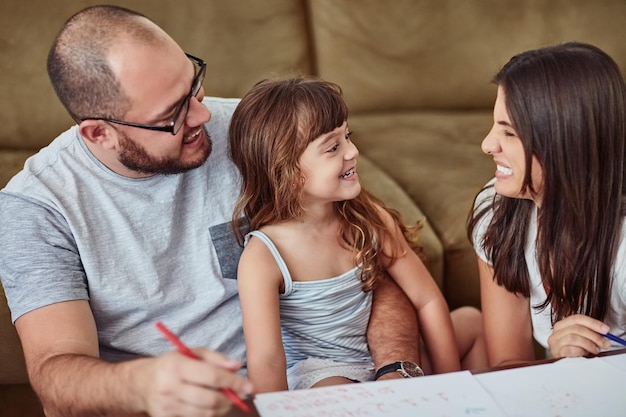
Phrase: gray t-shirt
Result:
[140,250]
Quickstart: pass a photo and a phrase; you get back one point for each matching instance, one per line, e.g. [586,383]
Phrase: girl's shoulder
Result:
[280,238]
[278,232]
[387,218]
[382,211]
[259,263]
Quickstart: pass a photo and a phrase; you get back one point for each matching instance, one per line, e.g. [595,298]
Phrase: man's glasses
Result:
[178,120]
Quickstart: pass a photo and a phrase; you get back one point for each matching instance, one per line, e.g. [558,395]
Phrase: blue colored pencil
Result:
[615,339]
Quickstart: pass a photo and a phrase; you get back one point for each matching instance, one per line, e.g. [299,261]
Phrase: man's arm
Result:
[392,333]
[61,349]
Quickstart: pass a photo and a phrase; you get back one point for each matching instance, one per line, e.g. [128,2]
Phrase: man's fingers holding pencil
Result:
[216,371]
[229,390]
[218,359]
[180,385]
[170,393]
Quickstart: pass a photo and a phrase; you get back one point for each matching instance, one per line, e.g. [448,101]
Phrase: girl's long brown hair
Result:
[567,104]
[270,129]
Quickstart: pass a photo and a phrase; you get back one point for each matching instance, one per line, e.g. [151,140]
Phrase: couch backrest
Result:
[403,55]
[407,55]
[12,367]
[242,41]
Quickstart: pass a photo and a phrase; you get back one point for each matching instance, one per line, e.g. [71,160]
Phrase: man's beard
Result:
[135,157]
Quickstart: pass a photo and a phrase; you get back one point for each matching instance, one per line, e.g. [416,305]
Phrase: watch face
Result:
[411,369]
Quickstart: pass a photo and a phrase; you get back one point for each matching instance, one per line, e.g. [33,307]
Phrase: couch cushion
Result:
[242,42]
[19,400]
[11,161]
[379,183]
[13,369]
[430,155]
[441,54]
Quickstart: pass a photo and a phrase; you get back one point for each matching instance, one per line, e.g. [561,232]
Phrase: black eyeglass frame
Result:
[184,105]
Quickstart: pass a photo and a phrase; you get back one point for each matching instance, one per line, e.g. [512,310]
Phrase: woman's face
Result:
[508,154]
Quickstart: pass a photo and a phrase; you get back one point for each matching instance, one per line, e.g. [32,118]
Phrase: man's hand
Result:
[61,349]
[177,385]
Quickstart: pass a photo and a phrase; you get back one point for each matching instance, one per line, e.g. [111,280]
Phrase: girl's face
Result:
[329,168]
[507,150]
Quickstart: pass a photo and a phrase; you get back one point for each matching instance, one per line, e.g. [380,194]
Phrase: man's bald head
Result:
[78,61]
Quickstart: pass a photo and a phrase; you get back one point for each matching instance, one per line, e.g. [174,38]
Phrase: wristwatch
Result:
[405,368]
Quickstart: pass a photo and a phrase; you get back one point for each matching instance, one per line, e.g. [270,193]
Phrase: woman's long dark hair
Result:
[567,104]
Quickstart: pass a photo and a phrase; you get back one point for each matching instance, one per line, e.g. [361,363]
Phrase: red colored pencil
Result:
[182,348]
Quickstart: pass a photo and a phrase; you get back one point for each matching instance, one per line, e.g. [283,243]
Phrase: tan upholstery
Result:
[416,75]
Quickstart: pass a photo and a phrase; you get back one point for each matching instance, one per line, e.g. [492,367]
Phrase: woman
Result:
[548,229]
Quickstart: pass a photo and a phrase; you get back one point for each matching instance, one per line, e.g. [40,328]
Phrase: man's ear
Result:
[99,133]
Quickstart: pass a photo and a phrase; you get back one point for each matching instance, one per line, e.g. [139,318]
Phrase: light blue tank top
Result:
[324,319]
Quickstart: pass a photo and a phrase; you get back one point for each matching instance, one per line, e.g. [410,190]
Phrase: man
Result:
[124,220]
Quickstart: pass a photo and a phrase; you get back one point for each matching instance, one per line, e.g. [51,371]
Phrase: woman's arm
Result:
[260,281]
[506,318]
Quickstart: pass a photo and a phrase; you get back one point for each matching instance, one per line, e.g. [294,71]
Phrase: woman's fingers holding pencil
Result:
[578,335]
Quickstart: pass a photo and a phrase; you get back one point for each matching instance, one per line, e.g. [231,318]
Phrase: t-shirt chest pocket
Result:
[227,248]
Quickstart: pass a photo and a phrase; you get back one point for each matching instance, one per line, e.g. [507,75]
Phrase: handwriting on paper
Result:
[449,394]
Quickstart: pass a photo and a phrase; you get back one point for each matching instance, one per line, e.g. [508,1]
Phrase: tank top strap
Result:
[276,254]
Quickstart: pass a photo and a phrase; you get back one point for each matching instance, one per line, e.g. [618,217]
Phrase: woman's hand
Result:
[578,335]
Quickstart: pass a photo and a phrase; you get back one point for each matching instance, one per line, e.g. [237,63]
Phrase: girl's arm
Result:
[260,281]
[506,319]
[434,320]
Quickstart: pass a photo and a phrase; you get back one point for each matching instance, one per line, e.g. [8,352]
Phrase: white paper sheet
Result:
[618,361]
[452,394]
[573,387]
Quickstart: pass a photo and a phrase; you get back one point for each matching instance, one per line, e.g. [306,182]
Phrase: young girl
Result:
[317,245]
[548,229]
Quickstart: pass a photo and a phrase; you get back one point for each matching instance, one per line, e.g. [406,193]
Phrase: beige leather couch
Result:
[416,74]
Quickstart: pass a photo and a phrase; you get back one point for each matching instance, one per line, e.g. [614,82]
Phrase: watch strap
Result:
[404,368]
[392,367]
